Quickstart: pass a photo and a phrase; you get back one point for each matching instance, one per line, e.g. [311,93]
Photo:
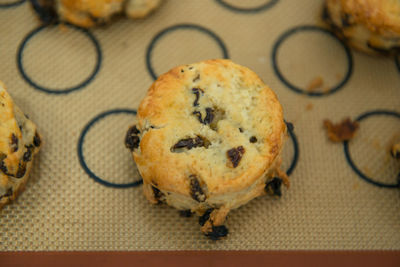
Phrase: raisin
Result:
[395,151]
[14,143]
[217,232]
[46,9]
[190,143]
[21,170]
[235,155]
[197,92]
[204,218]
[132,139]
[273,187]
[28,154]
[158,195]
[209,116]
[36,140]
[195,189]
[253,139]
[241,130]
[185,213]
[3,166]
[198,115]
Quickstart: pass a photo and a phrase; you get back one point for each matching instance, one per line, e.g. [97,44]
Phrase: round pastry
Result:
[89,13]
[209,139]
[19,142]
[372,26]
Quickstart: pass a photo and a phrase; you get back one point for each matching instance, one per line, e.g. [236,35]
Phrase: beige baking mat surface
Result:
[328,205]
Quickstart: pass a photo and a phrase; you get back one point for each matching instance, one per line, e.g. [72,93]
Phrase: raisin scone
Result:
[89,13]
[372,26]
[19,142]
[208,139]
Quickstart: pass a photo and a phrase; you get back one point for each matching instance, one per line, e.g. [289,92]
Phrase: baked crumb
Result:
[343,131]
[309,106]
[316,83]
[395,151]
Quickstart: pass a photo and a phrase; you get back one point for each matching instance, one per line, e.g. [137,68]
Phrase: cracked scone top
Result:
[372,26]
[88,13]
[19,142]
[209,136]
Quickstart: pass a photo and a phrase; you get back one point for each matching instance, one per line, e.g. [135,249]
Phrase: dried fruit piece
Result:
[197,92]
[14,143]
[196,191]
[273,187]
[253,139]
[217,232]
[132,139]
[204,218]
[235,155]
[190,143]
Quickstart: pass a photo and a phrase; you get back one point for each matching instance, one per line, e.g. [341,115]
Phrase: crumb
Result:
[316,83]
[395,151]
[339,76]
[342,131]
[309,106]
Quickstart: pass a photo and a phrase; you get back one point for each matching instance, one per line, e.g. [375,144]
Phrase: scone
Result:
[372,26]
[19,142]
[89,13]
[208,139]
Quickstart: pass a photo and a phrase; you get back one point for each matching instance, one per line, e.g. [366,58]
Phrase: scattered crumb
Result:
[395,151]
[309,106]
[316,83]
[342,131]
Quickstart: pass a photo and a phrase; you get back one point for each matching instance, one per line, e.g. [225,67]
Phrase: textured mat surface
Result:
[82,88]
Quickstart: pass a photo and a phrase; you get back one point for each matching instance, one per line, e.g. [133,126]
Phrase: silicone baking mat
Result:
[82,88]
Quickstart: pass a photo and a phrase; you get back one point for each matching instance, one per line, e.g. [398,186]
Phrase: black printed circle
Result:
[350,160]
[12,4]
[295,148]
[52,90]
[171,29]
[82,141]
[297,89]
[265,6]
[397,61]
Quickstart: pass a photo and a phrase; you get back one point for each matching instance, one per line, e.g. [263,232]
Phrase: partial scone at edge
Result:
[372,26]
[209,135]
[19,142]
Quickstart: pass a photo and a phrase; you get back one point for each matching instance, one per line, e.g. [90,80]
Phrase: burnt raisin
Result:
[195,189]
[273,187]
[157,194]
[36,140]
[28,154]
[217,232]
[21,170]
[235,155]
[253,139]
[185,213]
[14,143]
[209,116]
[197,92]
[132,139]
[204,218]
